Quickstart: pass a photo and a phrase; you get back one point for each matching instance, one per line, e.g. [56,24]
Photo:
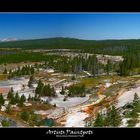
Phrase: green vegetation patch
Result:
[112,90]
[5,123]
[3,76]
[132,122]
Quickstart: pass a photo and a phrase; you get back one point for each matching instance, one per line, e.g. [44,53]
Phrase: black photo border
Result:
[88,6]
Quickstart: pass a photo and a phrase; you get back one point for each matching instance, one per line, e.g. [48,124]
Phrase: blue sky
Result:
[91,26]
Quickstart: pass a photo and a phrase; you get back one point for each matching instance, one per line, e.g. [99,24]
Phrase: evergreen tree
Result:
[17,98]
[73,77]
[10,95]
[93,65]
[76,90]
[8,108]
[2,100]
[10,74]
[53,92]
[39,87]
[22,100]
[35,97]
[12,90]
[30,81]
[5,71]
[44,90]
[136,98]
[62,91]
[13,100]
[113,118]
[99,121]
[29,98]
[108,67]
[32,70]
[18,72]
[25,116]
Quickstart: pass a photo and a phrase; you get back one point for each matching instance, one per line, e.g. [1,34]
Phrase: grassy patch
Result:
[112,90]
[132,122]
[92,82]
[3,76]
[5,123]
[37,106]
[31,118]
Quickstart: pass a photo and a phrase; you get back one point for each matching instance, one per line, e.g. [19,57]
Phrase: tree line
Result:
[44,90]
[25,70]
[111,119]
[75,65]
[15,98]
[113,47]
[128,66]
[76,90]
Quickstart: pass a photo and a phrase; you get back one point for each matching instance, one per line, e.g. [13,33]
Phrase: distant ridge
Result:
[8,39]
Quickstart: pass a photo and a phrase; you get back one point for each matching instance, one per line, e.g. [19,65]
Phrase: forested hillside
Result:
[114,47]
